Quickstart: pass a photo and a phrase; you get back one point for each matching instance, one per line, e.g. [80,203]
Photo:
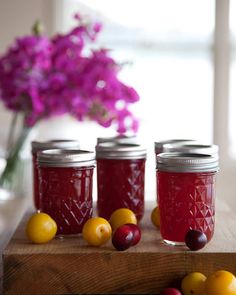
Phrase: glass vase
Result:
[14,174]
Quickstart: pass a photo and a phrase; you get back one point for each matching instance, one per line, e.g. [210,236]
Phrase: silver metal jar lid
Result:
[186,162]
[54,144]
[191,148]
[66,158]
[118,139]
[160,144]
[127,151]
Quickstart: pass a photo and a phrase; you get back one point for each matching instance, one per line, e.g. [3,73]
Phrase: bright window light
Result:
[167,46]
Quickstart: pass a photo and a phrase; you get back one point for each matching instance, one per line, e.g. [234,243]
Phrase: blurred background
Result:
[180,57]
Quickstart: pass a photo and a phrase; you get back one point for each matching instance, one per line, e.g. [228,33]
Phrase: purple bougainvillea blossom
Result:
[43,77]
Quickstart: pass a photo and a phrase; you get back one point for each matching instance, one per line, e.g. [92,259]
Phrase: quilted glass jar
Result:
[186,194]
[65,187]
[120,178]
[37,146]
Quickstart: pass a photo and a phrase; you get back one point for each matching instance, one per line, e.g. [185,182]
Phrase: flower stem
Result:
[11,131]
[12,160]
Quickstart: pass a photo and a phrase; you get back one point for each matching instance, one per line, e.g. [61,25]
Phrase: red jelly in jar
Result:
[65,185]
[120,178]
[186,194]
[38,146]
[163,146]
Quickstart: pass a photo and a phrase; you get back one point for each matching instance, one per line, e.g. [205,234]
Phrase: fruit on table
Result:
[170,291]
[221,283]
[136,232]
[123,237]
[41,228]
[195,239]
[194,284]
[122,216]
[155,217]
[96,231]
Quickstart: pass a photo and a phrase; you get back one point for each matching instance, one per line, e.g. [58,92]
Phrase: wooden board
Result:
[69,266]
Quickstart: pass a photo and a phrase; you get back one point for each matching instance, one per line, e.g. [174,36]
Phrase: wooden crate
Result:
[69,266]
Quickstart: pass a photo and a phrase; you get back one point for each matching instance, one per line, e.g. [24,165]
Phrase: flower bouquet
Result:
[42,77]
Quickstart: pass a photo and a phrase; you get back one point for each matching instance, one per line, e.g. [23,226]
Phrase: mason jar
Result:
[37,146]
[120,178]
[186,194]
[162,146]
[65,187]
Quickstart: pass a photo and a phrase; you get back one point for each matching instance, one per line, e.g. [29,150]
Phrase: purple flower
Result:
[43,77]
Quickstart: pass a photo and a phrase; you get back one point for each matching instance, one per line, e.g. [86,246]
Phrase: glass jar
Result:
[161,147]
[186,194]
[120,178]
[65,187]
[37,146]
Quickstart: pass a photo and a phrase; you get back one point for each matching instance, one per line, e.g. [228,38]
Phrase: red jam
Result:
[38,146]
[66,195]
[35,182]
[186,201]
[120,185]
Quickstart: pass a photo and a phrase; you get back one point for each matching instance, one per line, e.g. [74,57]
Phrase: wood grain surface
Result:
[69,266]
[11,212]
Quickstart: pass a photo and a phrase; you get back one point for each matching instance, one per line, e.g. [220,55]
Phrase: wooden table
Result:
[69,266]
[11,212]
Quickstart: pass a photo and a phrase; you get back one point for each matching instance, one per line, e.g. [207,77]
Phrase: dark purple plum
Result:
[123,237]
[170,291]
[195,239]
[136,232]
